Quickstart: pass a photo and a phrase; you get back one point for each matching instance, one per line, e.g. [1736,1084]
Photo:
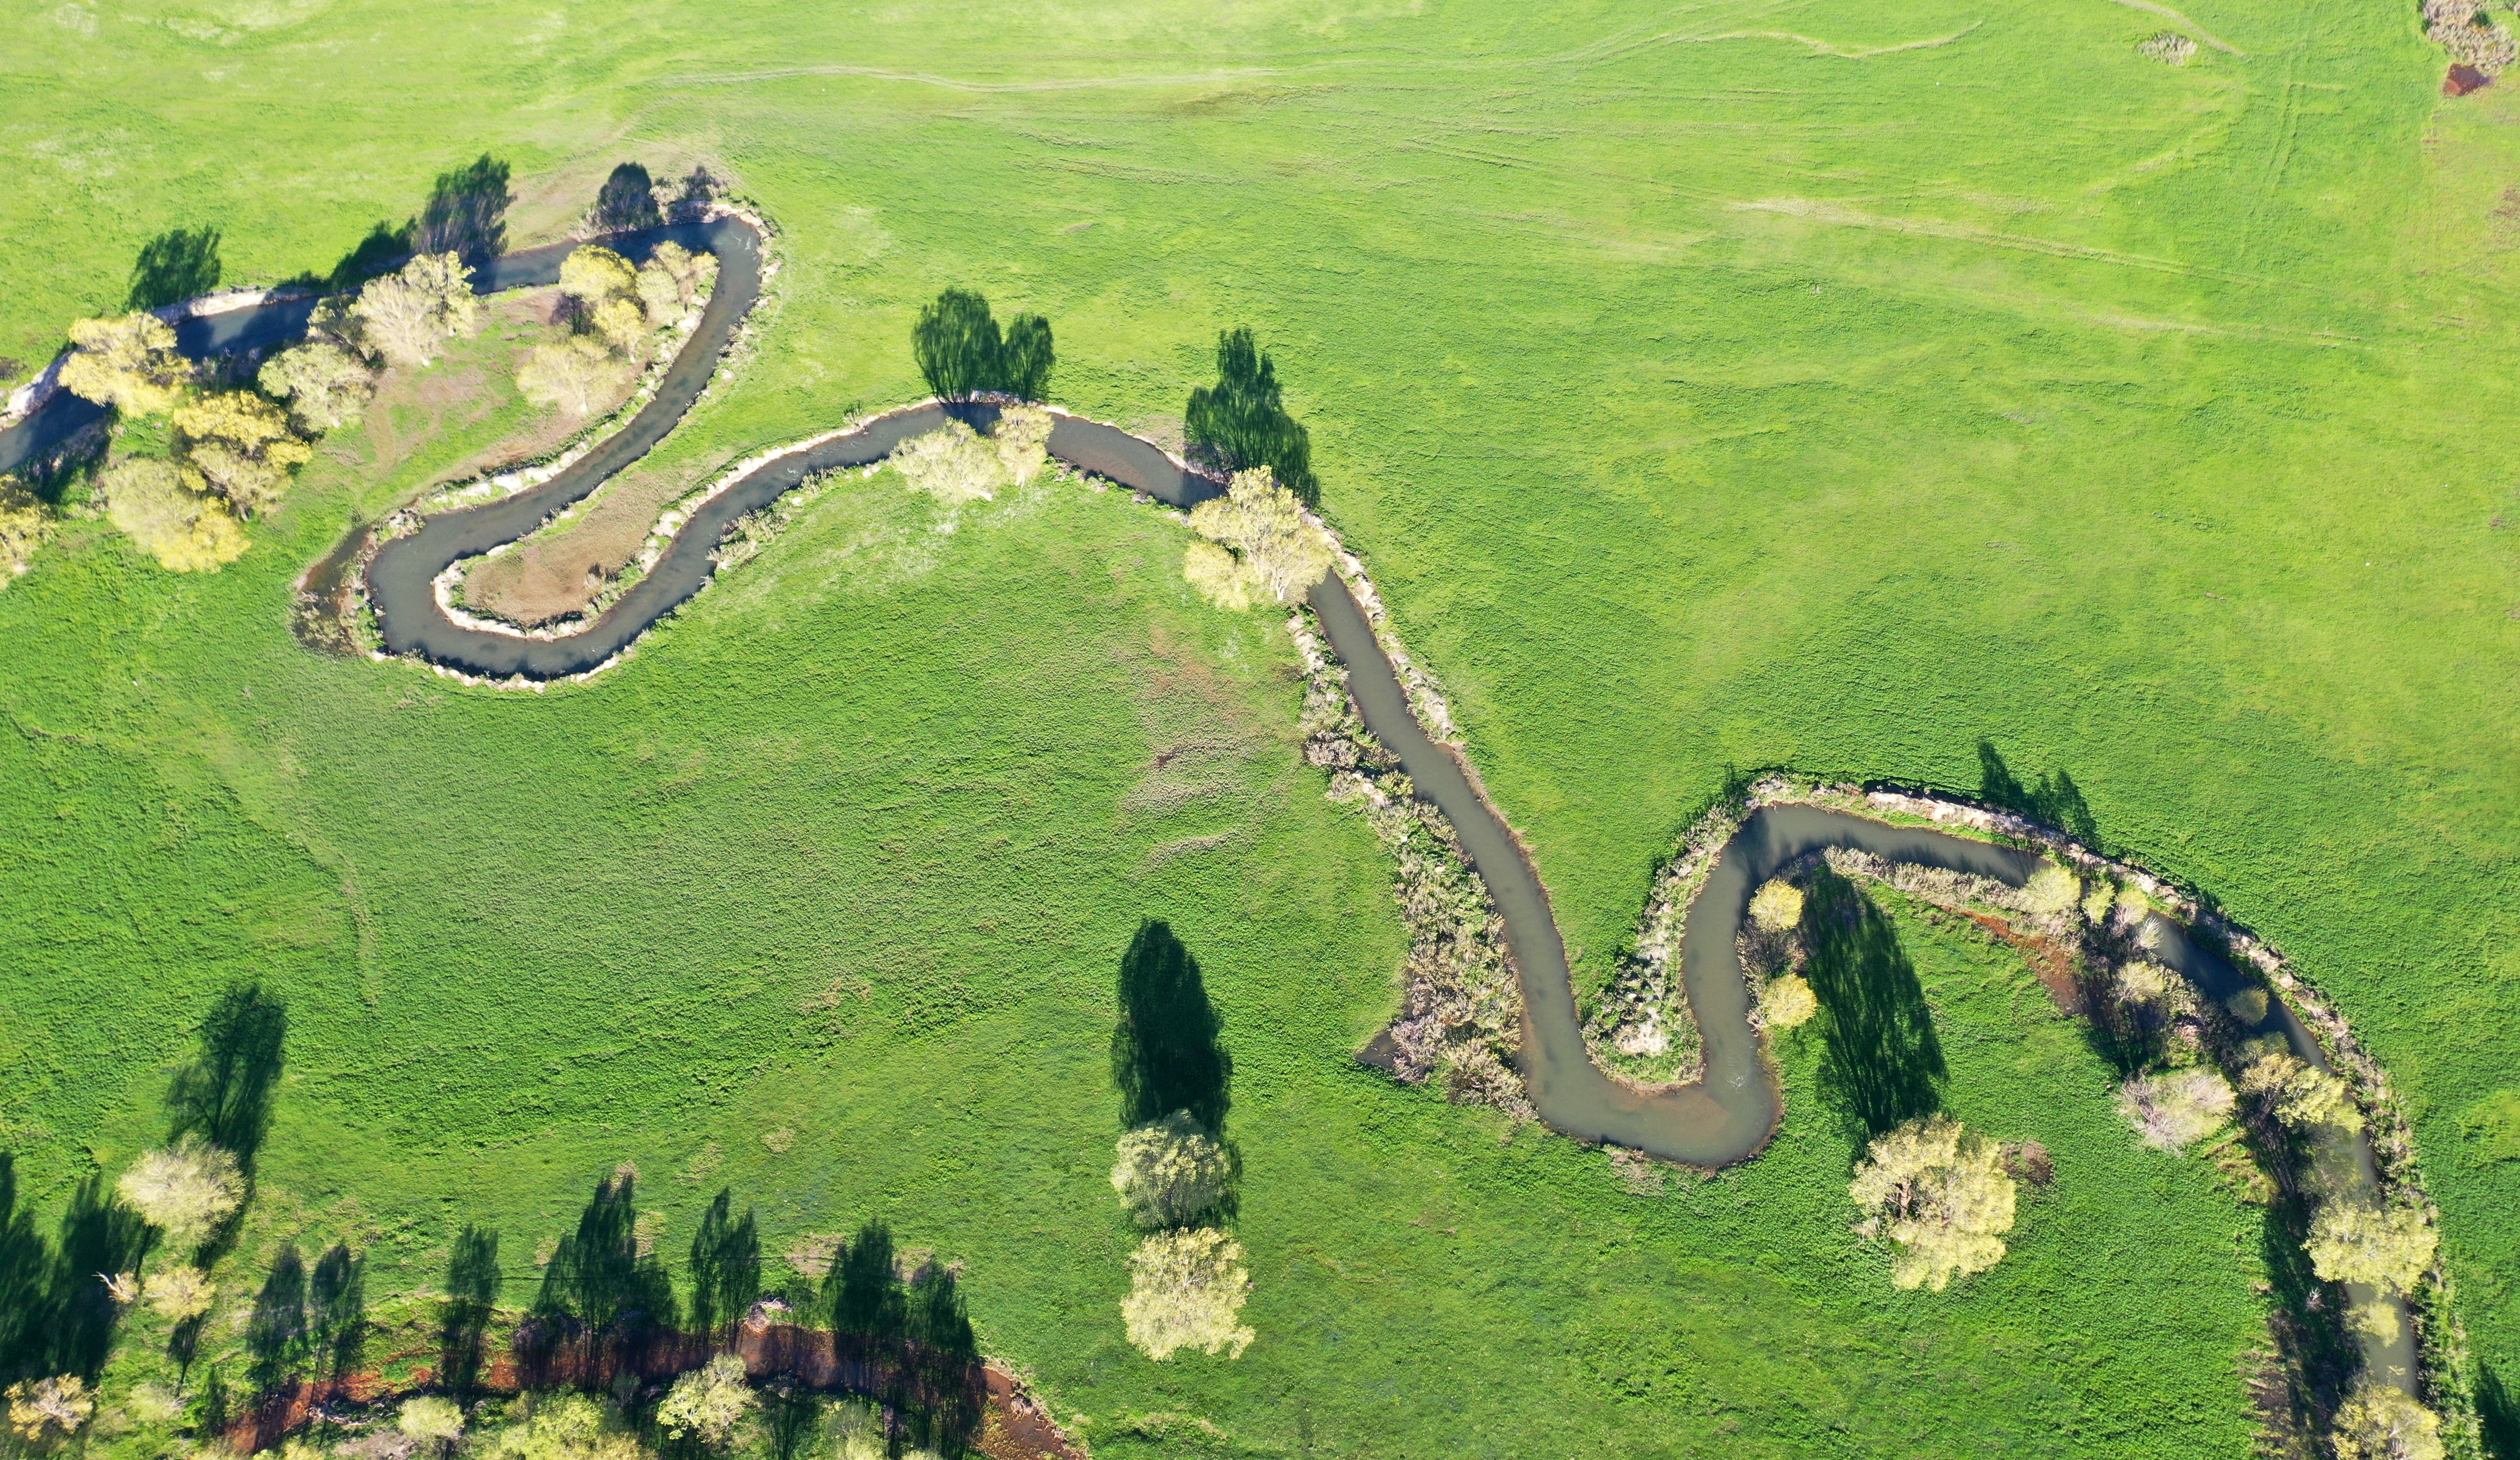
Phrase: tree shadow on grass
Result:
[467,212]
[178,264]
[601,1295]
[276,1328]
[2054,801]
[1884,1064]
[336,1309]
[224,1096]
[55,1316]
[2500,1414]
[472,1297]
[1165,1053]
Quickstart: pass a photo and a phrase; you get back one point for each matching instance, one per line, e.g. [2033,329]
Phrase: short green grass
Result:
[1709,387]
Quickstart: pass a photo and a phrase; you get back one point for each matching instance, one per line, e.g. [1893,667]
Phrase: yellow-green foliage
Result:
[129,364]
[1170,1171]
[179,1293]
[431,1418]
[242,443]
[47,1411]
[2305,1095]
[1787,1003]
[2174,1110]
[1217,574]
[411,315]
[2356,1242]
[2380,1422]
[2097,902]
[1777,905]
[167,511]
[2050,891]
[708,1403]
[594,273]
[1023,439]
[1940,1195]
[673,280]
[326,385]
[1186,1291]
[1264,524]
[185,1189]
[565,1427]
[951,463]
[574,375]
[24,523]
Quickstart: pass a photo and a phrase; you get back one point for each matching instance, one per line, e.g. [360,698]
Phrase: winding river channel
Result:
[1727,1116]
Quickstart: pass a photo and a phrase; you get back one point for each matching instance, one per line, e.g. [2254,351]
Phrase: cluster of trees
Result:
[609,307]
[961,353]
[955,464]
[1241,421]
[1259,545]
[1785,998]
[1175,1171]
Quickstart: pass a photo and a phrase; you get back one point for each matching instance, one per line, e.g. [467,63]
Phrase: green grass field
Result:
[1736,385]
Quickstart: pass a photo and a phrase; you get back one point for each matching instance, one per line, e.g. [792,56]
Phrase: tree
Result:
[868,1309]
[1218,575]
[1787,1003]
[961,352]
[1264,523]
[433,1421]
[1186,1291]
[592,273]
[575,375]
[2050,891]
[1242,419]
[562,1426]
[326,385]
[708,1403]
[627,200]
[181,1294]
[467,211]
[1777,905]
[2352,1241]
[726,1266]
[47,1411]
[951,463]
[409,314]
[1942,1198]
[674,280]
[2305,1097]
[129,364]
[184,1190]
[2175,1110]
[242,444]
[2379,1421]
[1170,1172]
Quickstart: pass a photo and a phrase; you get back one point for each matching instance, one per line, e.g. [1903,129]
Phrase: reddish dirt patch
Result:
[551,578]
[2048,959]
[2464,79]
[1014,1426]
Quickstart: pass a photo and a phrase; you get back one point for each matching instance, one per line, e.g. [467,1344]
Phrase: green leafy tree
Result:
[2356,1242]
[1940,1195]
[1281,553]
[1186,1291]
[326,386]
[1170,1172]
[242,443]
[129,364]
[167,511]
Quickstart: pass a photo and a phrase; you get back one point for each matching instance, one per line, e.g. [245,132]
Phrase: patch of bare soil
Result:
[555,575]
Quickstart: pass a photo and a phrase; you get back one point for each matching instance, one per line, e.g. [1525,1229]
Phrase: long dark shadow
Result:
[1166,1051]
[1883,1063]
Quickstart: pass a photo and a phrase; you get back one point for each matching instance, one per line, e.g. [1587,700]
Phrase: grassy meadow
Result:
[1736,386]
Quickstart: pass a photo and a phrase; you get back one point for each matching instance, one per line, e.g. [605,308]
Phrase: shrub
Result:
[1242,419]
[1942,1198]
[2147,985]
[1264,523]
[708,1403]
[1186,1291]
[325,384]
[24,523]
[2174,1111]
[1171,1172]
[2354,1242]
[574,375]
[961,352]
[1021,437]
[2168,47]
[129,364]
[44,1411]
[565,1427]
[431,1419]
[181,1294]
[163,509]
[242,444]
[1777,905]
[951,462]
[409,314]
[2381,1421]
[2050,891]
[620,321]
[1787,1003]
